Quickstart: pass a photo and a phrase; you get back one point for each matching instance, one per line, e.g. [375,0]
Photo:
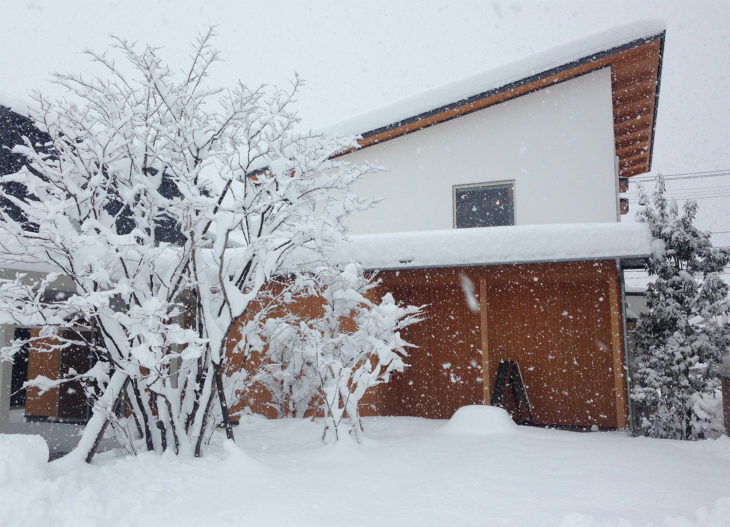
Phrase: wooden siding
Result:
[445,371]
[560,335]
[560,321]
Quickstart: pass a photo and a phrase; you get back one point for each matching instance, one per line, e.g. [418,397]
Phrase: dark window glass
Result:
[485,206]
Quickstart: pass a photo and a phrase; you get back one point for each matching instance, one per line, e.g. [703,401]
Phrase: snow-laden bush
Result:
[679,342]
[707,418]
[324,361]
[170,206]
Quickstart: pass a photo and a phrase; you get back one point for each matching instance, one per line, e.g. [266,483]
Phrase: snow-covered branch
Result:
[170,206]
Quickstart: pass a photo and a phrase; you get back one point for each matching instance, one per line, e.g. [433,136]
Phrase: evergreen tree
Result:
[679,343]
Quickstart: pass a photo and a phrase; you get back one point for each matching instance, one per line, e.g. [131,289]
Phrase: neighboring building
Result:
[64,402]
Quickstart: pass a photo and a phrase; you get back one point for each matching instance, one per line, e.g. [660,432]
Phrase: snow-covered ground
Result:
[60,438]
[478,469]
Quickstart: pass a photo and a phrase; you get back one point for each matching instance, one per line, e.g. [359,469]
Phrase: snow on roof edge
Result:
[492,79]
[497,245]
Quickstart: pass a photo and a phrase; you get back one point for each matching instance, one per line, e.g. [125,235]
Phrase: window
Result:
[484,205]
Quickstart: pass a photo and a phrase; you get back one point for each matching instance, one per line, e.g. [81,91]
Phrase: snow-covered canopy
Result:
[499,245]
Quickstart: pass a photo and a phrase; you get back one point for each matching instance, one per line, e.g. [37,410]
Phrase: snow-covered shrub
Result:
[170,206]
[679,342]
[286,366]
[325,362]
[706,417]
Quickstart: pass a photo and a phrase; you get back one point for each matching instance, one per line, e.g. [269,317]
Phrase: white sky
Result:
[358,56]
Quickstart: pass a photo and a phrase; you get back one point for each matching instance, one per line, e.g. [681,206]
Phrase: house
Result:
[500,212]
[500,208]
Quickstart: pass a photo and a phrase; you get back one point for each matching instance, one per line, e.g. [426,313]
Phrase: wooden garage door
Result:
[560,334]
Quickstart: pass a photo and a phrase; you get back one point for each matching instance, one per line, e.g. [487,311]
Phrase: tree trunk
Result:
[96,426]
[224,405]
[145,419]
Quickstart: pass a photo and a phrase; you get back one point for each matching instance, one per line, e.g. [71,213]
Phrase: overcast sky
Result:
[357,56]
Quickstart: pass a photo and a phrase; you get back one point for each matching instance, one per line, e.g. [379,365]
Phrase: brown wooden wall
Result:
[560,321]
[45,363]
[445,371]
[559,332]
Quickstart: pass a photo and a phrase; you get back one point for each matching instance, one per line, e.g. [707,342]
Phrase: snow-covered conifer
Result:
[679,342]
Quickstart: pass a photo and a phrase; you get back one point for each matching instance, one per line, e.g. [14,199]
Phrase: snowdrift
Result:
[479,420]
[22,457]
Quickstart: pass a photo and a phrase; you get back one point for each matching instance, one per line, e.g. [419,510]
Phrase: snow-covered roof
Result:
[498,245]
[17,258]
[495,79]
[14,103]
[637,280]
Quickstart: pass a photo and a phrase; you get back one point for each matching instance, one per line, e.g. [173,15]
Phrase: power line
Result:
[635,199]
[687,175]
[688,197]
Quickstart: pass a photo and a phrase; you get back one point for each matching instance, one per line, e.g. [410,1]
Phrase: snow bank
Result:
[22,457]
[479,420]
[497,79]
[498,245]
[715,516]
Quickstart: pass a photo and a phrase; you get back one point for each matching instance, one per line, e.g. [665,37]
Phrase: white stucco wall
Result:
[556,144]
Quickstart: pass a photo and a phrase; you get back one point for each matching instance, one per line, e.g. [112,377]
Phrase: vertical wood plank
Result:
[484,307]
[618,354]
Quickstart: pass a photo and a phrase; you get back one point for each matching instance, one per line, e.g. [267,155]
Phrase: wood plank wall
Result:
[47,363]
[560,321]
[557,320]
[445,371]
